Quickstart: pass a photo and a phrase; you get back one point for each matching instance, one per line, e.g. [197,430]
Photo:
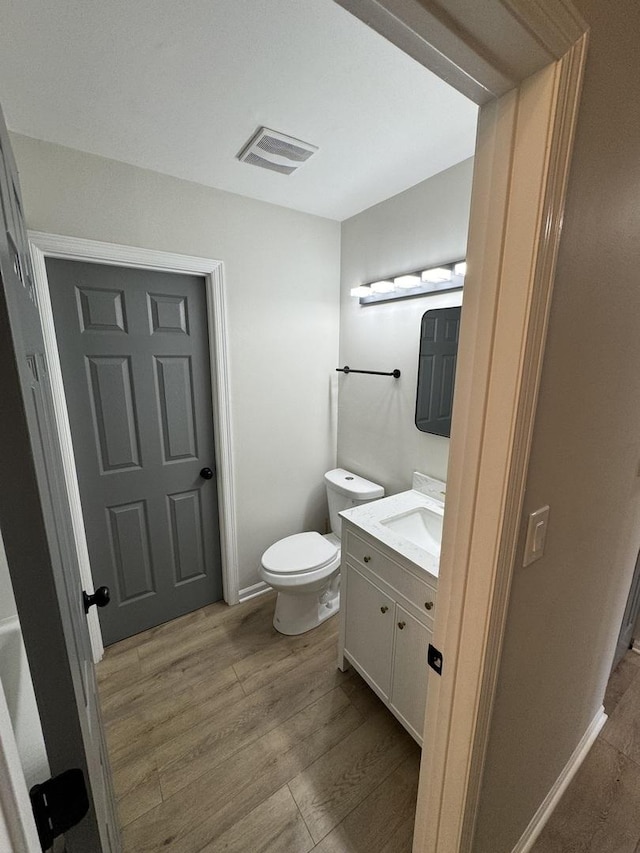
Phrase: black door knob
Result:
[206,473]
[101,597]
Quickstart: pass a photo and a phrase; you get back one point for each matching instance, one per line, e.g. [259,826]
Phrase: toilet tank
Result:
[345,490]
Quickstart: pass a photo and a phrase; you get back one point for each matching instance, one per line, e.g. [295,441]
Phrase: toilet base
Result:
[299,613]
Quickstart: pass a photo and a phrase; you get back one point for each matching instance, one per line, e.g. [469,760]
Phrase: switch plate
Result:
[536,535]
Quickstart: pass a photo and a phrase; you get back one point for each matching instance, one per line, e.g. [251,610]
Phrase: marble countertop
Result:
[426,492]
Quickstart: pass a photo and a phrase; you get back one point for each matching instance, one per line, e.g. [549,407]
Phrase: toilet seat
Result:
[300,553]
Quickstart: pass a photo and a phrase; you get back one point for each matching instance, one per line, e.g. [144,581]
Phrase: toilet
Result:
[304,568]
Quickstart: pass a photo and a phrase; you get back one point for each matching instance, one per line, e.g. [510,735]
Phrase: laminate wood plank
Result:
[249,625]
[622,729]
[206,808]
[362,696]
[341,779]
[622,676]
[284,653]
[169,715]
[600,810]
[172,628]
[137,788]
[277,660]
[382,819]
[166,683]
[402,840]
[114,663]
[274,826]
[188,756]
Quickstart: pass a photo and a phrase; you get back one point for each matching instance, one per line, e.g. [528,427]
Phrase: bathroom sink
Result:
[421,525]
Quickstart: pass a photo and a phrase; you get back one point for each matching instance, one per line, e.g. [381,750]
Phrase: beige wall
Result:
[282,277]
[422,226]
[565,610]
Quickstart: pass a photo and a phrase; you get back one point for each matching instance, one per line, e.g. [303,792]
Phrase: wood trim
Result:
[220,376]
[540,818]
[72,248]
[419,32]
[16,817]
[524,146]
[474,61]
[555,24]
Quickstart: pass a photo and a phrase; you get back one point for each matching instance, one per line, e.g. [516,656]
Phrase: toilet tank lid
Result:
[353,486]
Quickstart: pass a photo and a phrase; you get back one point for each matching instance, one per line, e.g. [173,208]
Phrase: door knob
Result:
[101,597]
[206,473]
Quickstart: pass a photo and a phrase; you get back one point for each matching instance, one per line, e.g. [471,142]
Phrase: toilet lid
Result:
[302,552]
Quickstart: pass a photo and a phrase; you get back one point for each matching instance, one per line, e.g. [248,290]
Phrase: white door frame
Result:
[45,246]
[523,151]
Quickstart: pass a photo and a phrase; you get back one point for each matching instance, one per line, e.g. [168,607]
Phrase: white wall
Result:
[282,276]
[17,687]
[565,610]
[420,227]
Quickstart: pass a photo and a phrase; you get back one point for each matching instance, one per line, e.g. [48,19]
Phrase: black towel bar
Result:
[395,373]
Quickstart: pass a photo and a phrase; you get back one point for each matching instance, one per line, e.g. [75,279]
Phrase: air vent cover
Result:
[276,151]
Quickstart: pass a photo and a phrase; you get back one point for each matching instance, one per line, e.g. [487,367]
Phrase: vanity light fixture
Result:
[405,282]
[362,290]
[382,286]
[436,275]
[449,276]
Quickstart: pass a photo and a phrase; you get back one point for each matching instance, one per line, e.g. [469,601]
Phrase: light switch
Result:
[536,535]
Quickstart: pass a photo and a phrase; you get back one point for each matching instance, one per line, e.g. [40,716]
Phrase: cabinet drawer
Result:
[413,588]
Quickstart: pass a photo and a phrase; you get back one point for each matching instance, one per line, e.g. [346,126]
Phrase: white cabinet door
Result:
[369,629]
[409,689]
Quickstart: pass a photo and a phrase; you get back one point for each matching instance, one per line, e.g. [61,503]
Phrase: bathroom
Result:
[288,277]
[370,417]
[367,422]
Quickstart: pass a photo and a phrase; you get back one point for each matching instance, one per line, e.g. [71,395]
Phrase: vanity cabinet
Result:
[387,610]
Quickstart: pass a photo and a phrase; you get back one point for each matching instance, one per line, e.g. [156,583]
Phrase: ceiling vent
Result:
[276,151]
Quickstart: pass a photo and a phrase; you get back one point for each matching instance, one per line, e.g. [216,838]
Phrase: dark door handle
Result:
[101,597]
[206,473]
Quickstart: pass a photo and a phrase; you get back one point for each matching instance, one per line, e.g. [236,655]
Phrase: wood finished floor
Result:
[227,736]
[600,810]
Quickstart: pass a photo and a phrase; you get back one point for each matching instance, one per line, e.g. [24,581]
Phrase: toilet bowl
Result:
[304,568]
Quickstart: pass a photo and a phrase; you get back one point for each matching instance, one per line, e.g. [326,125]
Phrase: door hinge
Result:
[434,659]
[58,804]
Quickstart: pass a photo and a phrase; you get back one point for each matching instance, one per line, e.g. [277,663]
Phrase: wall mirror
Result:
[439,332]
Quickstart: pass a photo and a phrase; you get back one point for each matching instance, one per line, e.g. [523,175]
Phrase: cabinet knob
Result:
[428,605]
[401,625]
[384,608]
[367,559]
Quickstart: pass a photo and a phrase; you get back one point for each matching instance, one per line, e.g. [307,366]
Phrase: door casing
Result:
[72,248]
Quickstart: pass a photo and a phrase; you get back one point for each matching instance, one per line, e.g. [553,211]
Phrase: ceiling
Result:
[180,87]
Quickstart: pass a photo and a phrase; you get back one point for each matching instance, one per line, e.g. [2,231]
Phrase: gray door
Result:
[135,363]
[36,528]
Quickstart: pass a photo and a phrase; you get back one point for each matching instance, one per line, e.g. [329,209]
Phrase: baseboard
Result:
[561,784]
[254,590]
[636,647]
